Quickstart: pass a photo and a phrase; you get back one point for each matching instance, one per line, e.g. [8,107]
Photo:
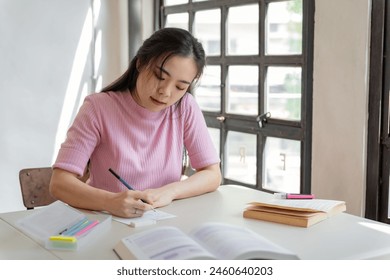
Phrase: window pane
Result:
[243,30]
[284,28]
[207,28]
[215,137]
[208,94]
[241,157]
[243,90]
[177,20]
[283,92]
[282,165]
[174,2]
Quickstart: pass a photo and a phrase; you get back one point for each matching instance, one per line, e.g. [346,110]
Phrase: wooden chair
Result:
[34,184]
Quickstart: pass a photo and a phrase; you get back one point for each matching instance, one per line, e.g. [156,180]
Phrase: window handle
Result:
[262,119]
[221,119]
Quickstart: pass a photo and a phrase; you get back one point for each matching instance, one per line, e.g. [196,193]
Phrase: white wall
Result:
[46,66]
[341,63]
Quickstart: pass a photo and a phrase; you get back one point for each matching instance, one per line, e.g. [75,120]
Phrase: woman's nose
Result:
[165,89]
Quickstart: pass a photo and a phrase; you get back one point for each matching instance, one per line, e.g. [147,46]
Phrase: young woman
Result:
[139,127]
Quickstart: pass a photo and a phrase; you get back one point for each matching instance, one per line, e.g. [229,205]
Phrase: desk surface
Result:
[15,245]
[343,236]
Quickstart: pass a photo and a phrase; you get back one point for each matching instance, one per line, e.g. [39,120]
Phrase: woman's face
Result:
[159,87]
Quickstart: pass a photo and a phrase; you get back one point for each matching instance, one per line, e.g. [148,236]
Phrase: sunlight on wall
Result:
[77,89]
[97,60]
[97,51]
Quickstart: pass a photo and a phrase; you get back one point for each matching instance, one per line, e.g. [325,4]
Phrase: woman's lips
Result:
[155,101]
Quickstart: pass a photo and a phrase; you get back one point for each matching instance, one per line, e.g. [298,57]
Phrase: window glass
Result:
[215,137]
[282,165]
[241,157]
[243,90]
[208,93]
[243,30]
[207,28]
[174,2]
[284,28]
[283,92]
[177,20]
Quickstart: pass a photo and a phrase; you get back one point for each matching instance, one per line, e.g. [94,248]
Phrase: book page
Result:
[302,204]
[164,243]
[233,242]
[283,211]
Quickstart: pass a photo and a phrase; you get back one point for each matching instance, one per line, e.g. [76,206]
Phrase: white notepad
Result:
[148,218]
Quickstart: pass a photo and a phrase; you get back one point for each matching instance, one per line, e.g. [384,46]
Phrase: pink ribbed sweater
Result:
[143,147]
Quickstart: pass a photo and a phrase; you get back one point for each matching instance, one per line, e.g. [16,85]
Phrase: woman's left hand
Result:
[160,197]
[204,180]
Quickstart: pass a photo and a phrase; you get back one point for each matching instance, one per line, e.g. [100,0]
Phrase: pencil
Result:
[126,184]
[120,179]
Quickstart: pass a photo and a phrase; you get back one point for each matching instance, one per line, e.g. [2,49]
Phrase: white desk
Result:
[15,245]
[341,237]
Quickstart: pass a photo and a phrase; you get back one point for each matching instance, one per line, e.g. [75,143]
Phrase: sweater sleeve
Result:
[82,138]
[197,140]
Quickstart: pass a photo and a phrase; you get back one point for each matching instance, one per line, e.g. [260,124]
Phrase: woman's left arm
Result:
[202,181]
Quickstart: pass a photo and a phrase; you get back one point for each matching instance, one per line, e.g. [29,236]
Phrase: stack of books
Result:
[295,212]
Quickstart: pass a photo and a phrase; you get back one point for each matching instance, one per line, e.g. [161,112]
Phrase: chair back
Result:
[34,184]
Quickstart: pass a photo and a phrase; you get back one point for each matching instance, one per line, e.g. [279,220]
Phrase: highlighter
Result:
[62,238]
[293,196]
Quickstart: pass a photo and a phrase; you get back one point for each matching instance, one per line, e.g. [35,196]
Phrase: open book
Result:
[302,212]
[209,241]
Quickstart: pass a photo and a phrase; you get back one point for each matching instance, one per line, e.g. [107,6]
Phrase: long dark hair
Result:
[163,44]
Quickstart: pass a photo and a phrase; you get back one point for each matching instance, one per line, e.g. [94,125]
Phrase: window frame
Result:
[378,137]
[292,130]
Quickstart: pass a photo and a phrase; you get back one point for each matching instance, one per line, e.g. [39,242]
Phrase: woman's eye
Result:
[179,88]
[159,77]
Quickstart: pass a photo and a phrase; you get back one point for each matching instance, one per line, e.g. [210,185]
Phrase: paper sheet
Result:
[149,217]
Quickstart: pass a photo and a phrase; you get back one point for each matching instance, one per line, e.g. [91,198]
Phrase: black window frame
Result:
[378,137]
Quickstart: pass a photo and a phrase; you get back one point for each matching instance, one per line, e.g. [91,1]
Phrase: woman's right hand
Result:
[127,204]
[67,187]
